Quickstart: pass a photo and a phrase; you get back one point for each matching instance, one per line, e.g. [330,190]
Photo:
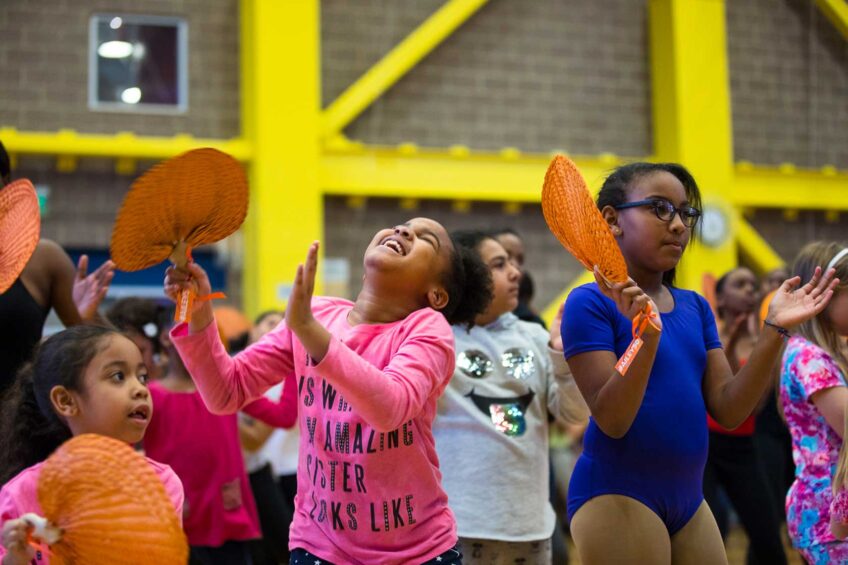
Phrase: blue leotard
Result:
[660,460]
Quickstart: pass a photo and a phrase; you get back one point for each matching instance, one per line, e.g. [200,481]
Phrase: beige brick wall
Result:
[537,75]
[788,236]
[789,82]
[44,67]
[82,205]
[533,75]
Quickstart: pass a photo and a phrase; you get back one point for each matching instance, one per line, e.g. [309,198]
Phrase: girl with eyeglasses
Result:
[636,492]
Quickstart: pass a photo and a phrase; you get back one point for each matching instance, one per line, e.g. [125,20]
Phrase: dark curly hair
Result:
[614,190]
[469,286]
[30,430]
[472,238]
[135,314]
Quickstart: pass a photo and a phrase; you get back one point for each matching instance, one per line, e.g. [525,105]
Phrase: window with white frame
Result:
[138,63]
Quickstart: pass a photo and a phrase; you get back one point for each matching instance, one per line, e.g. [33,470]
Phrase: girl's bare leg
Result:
[620,530]
[699,541]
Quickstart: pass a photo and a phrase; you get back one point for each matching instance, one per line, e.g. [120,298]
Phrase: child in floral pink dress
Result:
[814,396]
[839,505]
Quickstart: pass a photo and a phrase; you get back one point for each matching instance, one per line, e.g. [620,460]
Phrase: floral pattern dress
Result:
[808,369]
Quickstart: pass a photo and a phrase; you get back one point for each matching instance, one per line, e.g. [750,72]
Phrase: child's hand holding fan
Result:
[197,198]
[578,225]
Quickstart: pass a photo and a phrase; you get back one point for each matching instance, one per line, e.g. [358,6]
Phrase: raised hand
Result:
[312,335]
[629,298]
[299,308]
[90,289]
[792,305]
[193,277]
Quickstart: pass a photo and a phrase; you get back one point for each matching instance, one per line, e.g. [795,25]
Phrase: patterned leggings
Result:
[493,552]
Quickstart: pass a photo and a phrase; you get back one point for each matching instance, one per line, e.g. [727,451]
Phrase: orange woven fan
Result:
[196,198]
[20,228]
[577,223]
[109,506]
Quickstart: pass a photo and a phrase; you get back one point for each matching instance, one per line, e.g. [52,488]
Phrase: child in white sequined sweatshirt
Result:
[510,376]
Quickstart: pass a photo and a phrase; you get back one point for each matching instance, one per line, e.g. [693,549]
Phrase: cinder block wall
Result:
[789,84]
[538,76]
[44,67]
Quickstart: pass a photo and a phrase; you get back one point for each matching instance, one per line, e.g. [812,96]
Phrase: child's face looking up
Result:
[413,258]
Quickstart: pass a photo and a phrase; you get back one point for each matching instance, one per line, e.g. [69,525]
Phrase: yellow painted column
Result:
[692,121]
[280,111]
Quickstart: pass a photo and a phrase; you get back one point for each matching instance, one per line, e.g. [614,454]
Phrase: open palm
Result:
[792,305]
[90,289]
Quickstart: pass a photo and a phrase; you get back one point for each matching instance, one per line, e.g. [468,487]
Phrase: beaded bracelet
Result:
[779,329]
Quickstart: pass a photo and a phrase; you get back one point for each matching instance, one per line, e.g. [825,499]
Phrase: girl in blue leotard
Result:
[635,495]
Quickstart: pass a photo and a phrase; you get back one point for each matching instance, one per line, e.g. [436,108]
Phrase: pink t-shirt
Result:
[369,486]
[204,451]
[20,495]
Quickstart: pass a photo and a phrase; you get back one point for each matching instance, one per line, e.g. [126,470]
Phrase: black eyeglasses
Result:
[665,210]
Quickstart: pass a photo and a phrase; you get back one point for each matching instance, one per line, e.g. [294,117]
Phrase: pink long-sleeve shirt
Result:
[369,486]
[20,495]
[203,450]
[281,414]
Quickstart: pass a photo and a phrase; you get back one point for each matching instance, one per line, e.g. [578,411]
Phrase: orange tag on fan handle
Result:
[640,323]
[185,303]
[629,355]
[185,300]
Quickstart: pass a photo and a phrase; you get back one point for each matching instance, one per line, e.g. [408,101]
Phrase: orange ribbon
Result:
[640,324]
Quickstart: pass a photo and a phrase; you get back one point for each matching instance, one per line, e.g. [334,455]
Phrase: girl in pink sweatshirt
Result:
[368,374]
[86,379]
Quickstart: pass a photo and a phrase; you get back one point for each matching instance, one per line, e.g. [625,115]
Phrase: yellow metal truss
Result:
[396,63]
[837,13]
[296,154]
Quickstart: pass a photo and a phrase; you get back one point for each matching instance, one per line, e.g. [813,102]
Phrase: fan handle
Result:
[180,257]
[42,529]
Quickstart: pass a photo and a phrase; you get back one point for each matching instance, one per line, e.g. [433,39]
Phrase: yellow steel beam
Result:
[453,174]
[121,145]
[837,12]
[286,202]
[395,64]
[756,250]
[786,187]
[691,111]
[441,173]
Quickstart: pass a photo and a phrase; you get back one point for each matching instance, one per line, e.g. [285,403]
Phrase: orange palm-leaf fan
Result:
[196,198]
[577,223]
[109,505]
[20,228]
